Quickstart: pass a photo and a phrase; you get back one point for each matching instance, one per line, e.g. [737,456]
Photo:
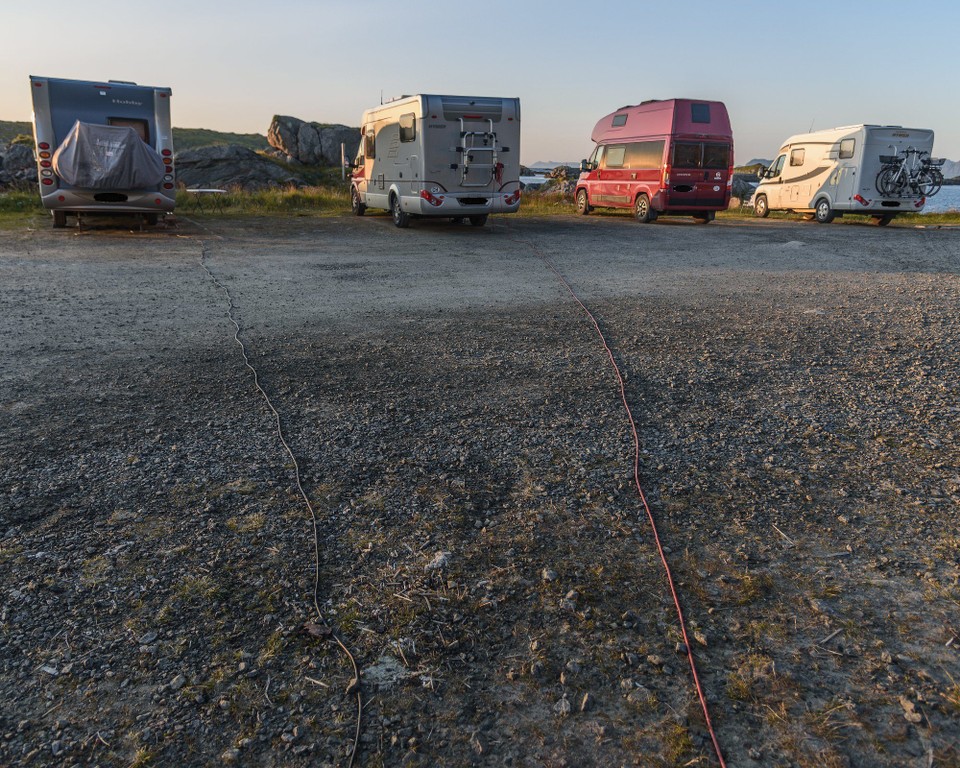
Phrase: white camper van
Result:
[103,147]
[427,155]
[831,172]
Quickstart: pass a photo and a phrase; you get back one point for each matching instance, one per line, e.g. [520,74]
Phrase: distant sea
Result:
[947,199]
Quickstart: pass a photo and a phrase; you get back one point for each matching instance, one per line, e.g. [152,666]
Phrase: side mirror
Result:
[586,166]
[761,172]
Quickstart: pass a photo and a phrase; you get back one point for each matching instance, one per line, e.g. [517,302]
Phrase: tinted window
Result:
[615,156]
[716,155]
[796,156]
[686,155]
[619,120]
[700,113]
[645,154]
[408,127]
[370,144]
[846,148]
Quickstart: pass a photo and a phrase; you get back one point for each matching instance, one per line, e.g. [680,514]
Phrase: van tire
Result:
[59,219]
[642,210]
[705,217]
[478,221]
[823,212]
[356,206]
[760,208]
[401,219]
[583,202]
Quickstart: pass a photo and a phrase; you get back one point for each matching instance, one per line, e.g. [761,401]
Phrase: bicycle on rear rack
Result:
[910,172]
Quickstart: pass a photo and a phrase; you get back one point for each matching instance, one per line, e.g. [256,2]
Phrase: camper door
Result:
[772,185]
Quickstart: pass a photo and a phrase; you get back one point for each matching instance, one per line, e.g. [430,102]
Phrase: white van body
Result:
[829,172]
[431,155]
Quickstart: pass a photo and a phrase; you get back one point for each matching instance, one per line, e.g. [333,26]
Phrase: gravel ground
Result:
[482,550]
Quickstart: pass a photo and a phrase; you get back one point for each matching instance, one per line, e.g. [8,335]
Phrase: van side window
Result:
[140,126]
[619,120]
[370,144]
[846,148]
[408,127]
[615,155]
[645,154]
[700,113]
[796,156]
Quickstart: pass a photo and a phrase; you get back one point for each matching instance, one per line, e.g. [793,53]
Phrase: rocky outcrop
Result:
[18,167]
[230,166]
[311,143]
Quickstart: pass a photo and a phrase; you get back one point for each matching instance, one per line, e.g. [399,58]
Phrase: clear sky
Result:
[781,68]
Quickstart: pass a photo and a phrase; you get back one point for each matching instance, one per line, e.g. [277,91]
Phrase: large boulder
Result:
[18,166]
[311,143]
[230,166]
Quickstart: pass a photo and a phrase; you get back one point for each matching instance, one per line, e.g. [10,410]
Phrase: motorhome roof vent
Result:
[122,82]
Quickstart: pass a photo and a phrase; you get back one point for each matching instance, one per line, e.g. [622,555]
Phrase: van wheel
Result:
[823,212]
[583,203]
[457,219]
[478,221]
[356,206]
[705,217]
[882,221]
[59,219]
[760,208]
[401,219]
[642,210]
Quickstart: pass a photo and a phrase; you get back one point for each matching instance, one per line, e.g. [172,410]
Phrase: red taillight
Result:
[43,145]
[47,182]
[168,169]
[39,85]
[158,201]
[730,177]
[920,202]
[166,152]
[512,198]
[45,163]
[433,200]
[665,180]
[168,185]
[862,200]
[61,198]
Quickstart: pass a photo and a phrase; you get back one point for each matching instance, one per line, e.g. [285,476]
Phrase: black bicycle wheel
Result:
[930,181]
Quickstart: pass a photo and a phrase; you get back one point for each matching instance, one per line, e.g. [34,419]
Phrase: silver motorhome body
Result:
[834,171]
[59,105]
[433,155]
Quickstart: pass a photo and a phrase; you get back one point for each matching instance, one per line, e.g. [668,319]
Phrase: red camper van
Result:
[673,157]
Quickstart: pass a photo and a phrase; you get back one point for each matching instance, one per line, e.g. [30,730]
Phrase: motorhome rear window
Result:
[140,126]
[796,156]
[686,154]
[615,156]
[716,155]
[645,154]
[619,120]
[408,127]
[700,113]
[846,148]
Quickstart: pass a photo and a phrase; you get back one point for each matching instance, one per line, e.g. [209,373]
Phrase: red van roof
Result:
[688,117]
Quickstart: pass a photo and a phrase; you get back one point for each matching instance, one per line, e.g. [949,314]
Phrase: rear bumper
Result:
[464,204]
[84,200]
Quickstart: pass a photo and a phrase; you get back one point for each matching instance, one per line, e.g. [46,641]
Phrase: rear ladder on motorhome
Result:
[479,164]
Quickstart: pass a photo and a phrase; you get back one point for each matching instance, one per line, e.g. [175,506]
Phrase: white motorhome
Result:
[429,155]
[831,172]
[103,148]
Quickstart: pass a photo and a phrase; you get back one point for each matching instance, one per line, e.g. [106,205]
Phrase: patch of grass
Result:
[308,201]
[247,524]
[191,138]
[202,587]
[94,570]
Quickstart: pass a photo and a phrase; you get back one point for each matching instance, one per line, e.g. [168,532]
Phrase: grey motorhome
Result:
[103,147]
[834,171]
[431,155]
